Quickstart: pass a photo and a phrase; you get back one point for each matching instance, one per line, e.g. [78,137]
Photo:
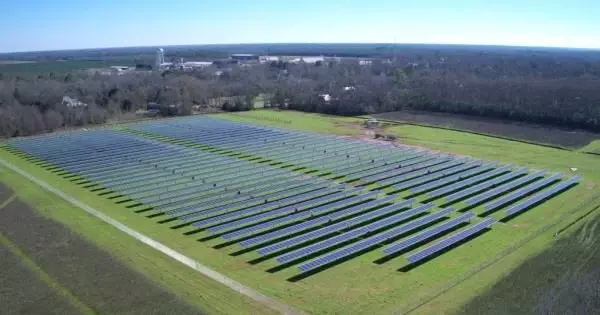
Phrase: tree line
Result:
[554,90]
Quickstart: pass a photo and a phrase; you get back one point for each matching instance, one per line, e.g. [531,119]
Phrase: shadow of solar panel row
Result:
[520,193]
[469,181]
[428,234]
[352,234]
[370,242]
[504,188]
[450,240]
[524,205]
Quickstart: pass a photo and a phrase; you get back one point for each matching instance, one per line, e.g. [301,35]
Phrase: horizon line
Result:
[595,49]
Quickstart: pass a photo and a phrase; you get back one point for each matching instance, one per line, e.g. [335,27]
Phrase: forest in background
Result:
[547,86]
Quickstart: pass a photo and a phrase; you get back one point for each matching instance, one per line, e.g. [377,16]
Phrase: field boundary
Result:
[398,122]
[234,285]
[43,276]
[590,201]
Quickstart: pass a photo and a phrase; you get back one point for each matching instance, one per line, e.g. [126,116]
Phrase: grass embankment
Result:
[356,286]
[593,148]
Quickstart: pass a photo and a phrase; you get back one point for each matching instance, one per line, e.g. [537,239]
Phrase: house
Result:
[154,108]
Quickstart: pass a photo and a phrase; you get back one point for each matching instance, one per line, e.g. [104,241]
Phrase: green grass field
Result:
[357,286]
[60,66]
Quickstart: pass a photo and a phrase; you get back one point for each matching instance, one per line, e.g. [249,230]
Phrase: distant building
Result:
[325,97]
[245,57]
[269,58]
[119,70]
[165,110]
[190,65]
[72,102]
[309,60]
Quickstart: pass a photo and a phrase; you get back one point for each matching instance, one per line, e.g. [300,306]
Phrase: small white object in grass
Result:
[573,169]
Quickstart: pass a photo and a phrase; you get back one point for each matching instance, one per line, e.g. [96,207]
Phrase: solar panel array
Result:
[449,241]
[292,195]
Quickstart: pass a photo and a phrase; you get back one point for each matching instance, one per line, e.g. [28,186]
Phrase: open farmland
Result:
[528,132]
[285,211]
[72,275]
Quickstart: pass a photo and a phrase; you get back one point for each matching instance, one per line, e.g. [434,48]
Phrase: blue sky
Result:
[68,24]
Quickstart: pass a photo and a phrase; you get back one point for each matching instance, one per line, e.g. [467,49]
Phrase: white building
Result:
[72,102]
[269,58]
[309,60]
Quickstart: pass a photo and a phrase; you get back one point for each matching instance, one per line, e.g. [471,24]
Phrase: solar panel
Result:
[518,194]
[245,216]
[427,234]
[262,216]
[524,205]
[312,212]
[336,227]
[311,249]
[372,241]
[425,178]
[503,188]
[479,187]
[446,161]
[450,179]
[450,240]
[463,183]
[316,221]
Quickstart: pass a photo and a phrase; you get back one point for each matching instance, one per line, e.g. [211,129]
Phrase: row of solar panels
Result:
[297,148]
[145,184]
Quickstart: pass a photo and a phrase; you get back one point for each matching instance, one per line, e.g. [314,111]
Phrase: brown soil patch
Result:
[496,127]
[90,273]
[22,292]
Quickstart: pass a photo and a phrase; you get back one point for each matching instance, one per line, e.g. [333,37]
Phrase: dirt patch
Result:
[90,273]
[22,292]
[495,127]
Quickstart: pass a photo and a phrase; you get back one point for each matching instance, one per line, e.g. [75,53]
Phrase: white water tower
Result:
[160,58]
